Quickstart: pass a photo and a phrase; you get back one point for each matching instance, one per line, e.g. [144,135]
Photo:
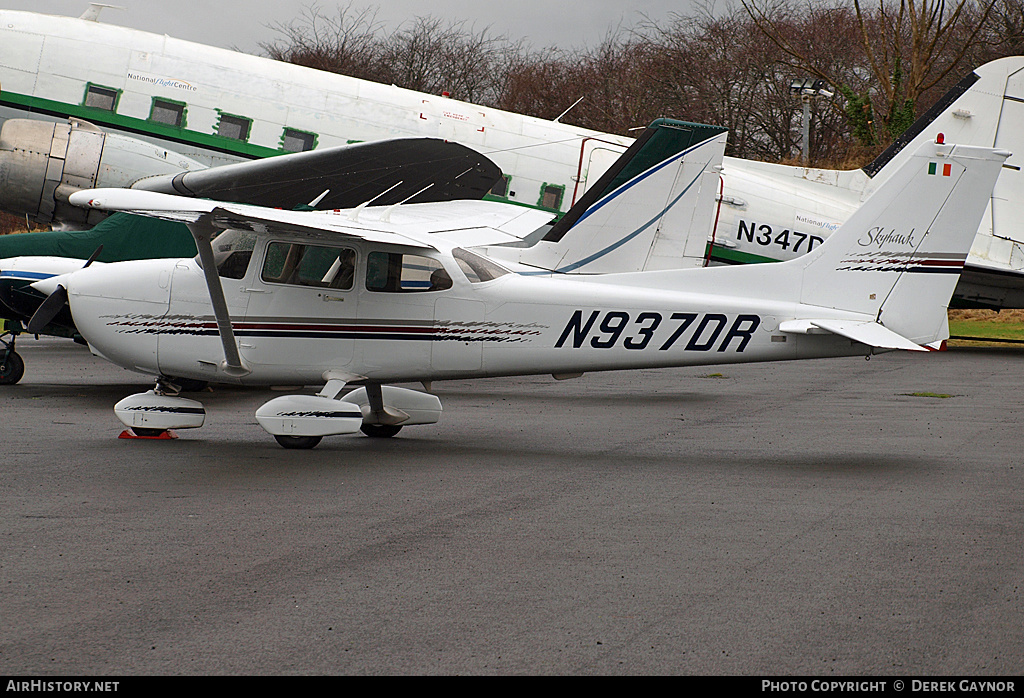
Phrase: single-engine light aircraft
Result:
[363,298]
[398,170]
[87,104]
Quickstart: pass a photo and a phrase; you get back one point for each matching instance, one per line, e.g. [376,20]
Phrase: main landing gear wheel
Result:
[12,369]
[380,431]
[298,441]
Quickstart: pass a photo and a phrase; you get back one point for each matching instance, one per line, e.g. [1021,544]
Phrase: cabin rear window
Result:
[551,196]
[393,272]
[309,265]
[234,127]
[100,97]
[165,112]
[297,141]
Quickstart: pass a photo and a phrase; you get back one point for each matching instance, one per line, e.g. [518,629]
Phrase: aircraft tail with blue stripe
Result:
[653,209]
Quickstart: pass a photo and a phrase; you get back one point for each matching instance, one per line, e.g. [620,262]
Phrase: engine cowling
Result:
[42,163]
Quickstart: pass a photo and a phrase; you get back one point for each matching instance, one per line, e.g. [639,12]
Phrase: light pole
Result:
[807,90]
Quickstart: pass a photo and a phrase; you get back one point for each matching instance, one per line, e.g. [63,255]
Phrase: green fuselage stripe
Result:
[729,256]
[103,117]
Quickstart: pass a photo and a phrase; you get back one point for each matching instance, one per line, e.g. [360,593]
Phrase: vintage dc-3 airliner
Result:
[371,296]
[87,104]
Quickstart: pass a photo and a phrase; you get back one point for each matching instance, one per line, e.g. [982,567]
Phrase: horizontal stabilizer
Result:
[871,333]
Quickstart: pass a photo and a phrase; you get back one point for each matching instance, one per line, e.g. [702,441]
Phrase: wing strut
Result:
[203,232]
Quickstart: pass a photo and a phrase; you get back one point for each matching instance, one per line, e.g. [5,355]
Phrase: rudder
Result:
[899,256]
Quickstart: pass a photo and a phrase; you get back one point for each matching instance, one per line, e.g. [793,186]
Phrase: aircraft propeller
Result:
[49,308]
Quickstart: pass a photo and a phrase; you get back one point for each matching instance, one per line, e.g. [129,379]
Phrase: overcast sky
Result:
[245,24]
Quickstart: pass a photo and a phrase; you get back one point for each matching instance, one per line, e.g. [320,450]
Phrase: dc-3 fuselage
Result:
[434,291]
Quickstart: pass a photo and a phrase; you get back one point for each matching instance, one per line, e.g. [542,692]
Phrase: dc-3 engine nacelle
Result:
[42,163]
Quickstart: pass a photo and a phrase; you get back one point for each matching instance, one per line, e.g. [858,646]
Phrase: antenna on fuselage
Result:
[314,202]
[354,216]
[569,109]
[311,206]
[386,216]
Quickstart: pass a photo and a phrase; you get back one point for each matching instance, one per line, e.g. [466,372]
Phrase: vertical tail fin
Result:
[899,256]
[984,108]
[652,209]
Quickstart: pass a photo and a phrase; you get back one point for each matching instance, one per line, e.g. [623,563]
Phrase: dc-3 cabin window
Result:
[551,196]
[500,187]
[234,127]
[476,268]
[297,141]
[167,112]
[309,265]
[394,272]
[100,97]
[232,250]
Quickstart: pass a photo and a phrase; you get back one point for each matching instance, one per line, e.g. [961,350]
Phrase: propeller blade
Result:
[93,256]
[47,310]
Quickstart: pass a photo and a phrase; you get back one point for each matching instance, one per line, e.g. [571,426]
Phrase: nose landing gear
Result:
[12,366]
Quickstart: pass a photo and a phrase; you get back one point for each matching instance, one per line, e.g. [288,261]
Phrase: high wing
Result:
[413,170]
[221,216]
[207,218]
[469,223]
[482,221]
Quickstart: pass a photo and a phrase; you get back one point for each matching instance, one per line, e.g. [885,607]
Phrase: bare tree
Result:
[732,66]
[540,84]
[907,48]
[717,68]
[1001,35]
[429,55]
[346,43]
[424,54]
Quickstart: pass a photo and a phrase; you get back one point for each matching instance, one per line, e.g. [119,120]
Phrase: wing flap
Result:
[273,222]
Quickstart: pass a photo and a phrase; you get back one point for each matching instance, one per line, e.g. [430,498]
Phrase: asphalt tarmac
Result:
[794,518]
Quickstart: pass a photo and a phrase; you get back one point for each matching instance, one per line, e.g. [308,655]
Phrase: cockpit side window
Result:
[394,272]
[309,265]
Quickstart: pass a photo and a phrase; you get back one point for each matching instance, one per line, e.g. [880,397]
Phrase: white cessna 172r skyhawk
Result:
[87,104]
[373,296]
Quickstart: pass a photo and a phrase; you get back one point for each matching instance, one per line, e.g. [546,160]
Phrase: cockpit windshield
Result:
[232,250]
